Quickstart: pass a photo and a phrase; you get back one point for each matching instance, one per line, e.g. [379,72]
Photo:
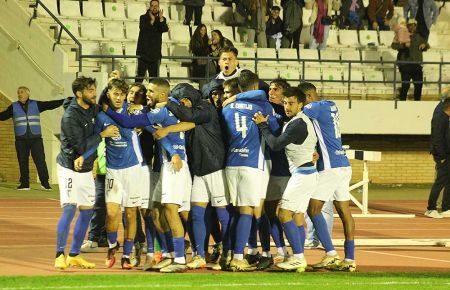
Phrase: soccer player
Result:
[76,183]
[174,187]
[298,140]
[245,164]
[334,178]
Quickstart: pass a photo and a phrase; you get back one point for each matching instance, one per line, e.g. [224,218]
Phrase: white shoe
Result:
[311,244]
[445,213]
[89,247]
[433,214]
[294,263]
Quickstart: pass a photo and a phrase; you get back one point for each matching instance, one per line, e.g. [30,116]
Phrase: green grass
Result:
[222,281]
[8,190]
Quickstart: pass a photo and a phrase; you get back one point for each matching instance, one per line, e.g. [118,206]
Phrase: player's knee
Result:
[284,215]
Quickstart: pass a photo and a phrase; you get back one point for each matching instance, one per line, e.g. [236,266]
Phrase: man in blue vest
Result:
[27,129]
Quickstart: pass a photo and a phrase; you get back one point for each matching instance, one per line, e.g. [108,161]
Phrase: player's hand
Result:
[422,46]
[110,131]
[161,15]
[78,163]
[228,101]
[134,107]
[315,157]
[152,17]
[160,132]
[114,75]
[138,131]
[161,105]
[177,163]
[258,118]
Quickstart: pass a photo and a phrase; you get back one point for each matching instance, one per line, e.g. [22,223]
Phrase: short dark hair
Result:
[227,49]
[295,92]
[446,104]
[247,79]
[281,83]
[160,82]
[119,84]
[82,83]
[275,8]
[305,87]
[232,83]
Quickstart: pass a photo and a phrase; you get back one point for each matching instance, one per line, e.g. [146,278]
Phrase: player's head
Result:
[248,81]
[158,91]
[446,106]
[85,90]
[276,90]
[23,94]
[117,92]
[137,94]
[228,60]
[293,101]
[230,88]
[310,92]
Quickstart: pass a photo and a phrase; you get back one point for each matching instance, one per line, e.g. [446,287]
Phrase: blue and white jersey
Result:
[120,151]
[246,147]
[325,117]
[164,118]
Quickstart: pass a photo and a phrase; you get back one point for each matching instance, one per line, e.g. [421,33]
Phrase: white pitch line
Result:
[53,199]
[406,256]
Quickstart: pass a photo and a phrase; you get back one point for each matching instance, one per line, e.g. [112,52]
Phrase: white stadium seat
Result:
[130,48]
[112,48]
[51,5]
[93,9]
[367,37]
[91,29]
[72,26]
[70,8]
[115,10]
[132,30]
[386,38]
[207,14]
[348,37]
[136,9]
[177,13]
[179,33]
[90,47]
[113,29]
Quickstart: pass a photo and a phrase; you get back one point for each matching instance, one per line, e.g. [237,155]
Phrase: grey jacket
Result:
[430,11]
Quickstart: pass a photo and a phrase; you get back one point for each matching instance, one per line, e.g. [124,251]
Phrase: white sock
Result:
[238,256]
[332,253]
[113,245]
[285,251]
[251,251]
[299,256]
[280,251]
[349,260]
[126,256]
[266,254]
[180,260]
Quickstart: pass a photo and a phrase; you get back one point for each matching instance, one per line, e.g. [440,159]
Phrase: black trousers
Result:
[98,229]
[196,11]
[292,39]
[442,181]
[152,67]
[23,149]
[408,72]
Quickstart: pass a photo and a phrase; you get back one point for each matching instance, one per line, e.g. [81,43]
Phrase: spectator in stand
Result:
[216,43]
[199,47]
[424,11]
[27,129]
[274,28]
[401,31]
[255,21]
[380,13]
[193,7]
[292,21]
[411,52]
[151,27]
[353,13]
[322,10]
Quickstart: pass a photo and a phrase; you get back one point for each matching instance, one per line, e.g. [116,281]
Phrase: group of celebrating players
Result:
[262,164]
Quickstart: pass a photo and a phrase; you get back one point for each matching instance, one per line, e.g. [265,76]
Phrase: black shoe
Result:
[46,186]
[264,263]
[103,243]
[253,259]
[23,187]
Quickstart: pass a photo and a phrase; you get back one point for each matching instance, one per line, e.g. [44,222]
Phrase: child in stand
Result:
[402,34]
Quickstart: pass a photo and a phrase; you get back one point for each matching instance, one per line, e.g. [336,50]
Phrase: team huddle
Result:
[263,167]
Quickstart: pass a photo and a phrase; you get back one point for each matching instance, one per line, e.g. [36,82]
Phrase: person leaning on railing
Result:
[411,52]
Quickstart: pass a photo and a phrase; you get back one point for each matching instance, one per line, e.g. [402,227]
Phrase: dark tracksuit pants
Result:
[98,229]
[442,181]
[36,147]
[408,72]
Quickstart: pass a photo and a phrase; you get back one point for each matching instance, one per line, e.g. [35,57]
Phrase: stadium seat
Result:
[129,69]
[290,73]
[72,26]
[309,54]
[267,53]
[348,38]
[90,47]
[130,48]
[163,72]
[357,87]
[179,72]
[431,56]
[51,5]
[207,14]
[267,74]
[93,9]
[332,40]
[368,37]
[246,52]
[136,9]
[389,74]
[70,8]
[179,33]
[386,38]
[112,48]
[132,30]
[115,10]
[223,14]
[332,81]
[91,29]
[288,53]
[330,54]
[350,54]
[177,13]
[375,86]
[179,50]
[113,30]
[370,55]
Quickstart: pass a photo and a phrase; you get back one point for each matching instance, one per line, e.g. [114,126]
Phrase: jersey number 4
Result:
[241,124]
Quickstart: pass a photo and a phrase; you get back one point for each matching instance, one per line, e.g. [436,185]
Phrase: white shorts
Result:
[123,186]
[299,191]
[276,187]
[211,187]
[145,185]
[334,184]
[245,185]
[75,187]
[174,187]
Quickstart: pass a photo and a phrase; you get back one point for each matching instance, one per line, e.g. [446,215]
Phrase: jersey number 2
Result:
[241,124]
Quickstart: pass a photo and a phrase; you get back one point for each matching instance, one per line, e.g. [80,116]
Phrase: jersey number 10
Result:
[241,124]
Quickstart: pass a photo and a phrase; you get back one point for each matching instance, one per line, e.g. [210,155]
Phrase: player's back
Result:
[244,138]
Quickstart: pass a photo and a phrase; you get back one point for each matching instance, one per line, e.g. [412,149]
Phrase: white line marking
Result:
[53,199]
[406,256]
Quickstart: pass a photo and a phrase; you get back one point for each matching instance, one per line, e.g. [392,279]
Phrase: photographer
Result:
[322,10]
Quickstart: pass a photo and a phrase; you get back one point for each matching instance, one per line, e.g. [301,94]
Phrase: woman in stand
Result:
[199,46]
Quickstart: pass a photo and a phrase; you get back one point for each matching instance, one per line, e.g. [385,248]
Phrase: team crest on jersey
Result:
[156,110]
[308,106]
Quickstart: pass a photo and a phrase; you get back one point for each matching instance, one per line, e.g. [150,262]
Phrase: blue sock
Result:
[128,247]
[253,237]
[150,233]
[178,244]
[169,241]
[322,232]
[276,230]
[302,237]
[242,232]
[349,249]
[63,228]
[264,232]
[112,237]
[291,230]
[81,227]
[162,242]
[199,228]
[224,219]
